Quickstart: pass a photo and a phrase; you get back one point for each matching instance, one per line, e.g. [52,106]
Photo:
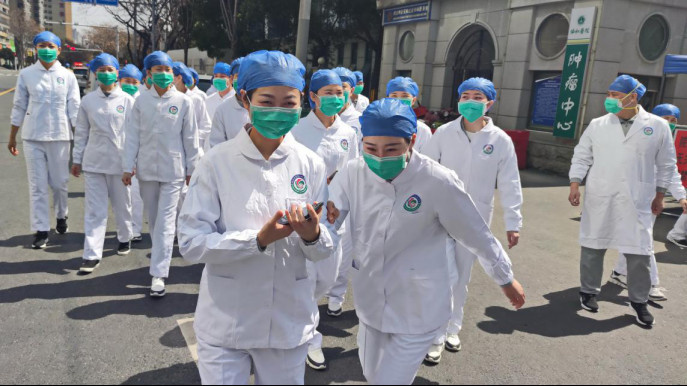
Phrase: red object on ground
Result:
[521,140]
[681,149]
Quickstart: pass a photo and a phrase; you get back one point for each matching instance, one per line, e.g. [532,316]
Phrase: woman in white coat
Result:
[230,117]
[402,207]
[46,105]
[360,101]
[483,157]
[161,144]
[628,158]
[183,80]
[407,91]
[225,89]
[348,113]
[256,307]
[323,132]
[98,148]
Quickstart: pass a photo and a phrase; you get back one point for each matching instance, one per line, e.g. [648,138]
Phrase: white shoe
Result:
[453,343]
[334,310]
[434,354]
[679,243]
[619,280]
[656,294]
[316,360]
[157,288]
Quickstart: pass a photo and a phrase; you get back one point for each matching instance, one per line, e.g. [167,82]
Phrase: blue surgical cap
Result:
[131,71]
[194,73]
[103,60]
[401,84]
[358,76]
[236,65]
[271,68]
[626,85]
[485,86]
[667,110]
[222,68]
[181,69]
[321,79]
[47,36]
[388,117]
[346,76]
[157,58]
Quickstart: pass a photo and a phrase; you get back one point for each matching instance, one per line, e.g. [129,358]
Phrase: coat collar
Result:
[315,122]
[641,120]
[170,93]
[116,92]
[249,150]
[55,67]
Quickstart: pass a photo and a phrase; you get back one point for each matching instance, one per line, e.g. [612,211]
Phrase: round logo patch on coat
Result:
[60,80]
[174,110]
[120,109]
[413,203]
[344,144]
[298,184]
[488,149]
[649,131]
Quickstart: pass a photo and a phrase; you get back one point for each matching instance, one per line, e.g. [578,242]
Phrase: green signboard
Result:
[570,96]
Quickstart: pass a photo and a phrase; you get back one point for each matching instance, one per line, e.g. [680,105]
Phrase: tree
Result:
[7,55]
[105,39]
[24,29]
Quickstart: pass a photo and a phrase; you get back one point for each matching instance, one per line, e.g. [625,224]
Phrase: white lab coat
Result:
[623,173]
[399,232]
[251,299]
[200,112]
[487,162]
[351,117]
[362,103]
[135,188]
[197,91]
[213,101]
[230,118]
[424,135]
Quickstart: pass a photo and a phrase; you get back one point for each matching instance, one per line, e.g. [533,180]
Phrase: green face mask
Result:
[472,110]
[274,122]
[673,126]
[47,55]
[189,86]
[107,78]
[330,105]
[347,97]
[613,105]
[406,101]
[163,79]
[149,81]
[236,86]
[221,84]
[358,89]
[386,168]
[129,89]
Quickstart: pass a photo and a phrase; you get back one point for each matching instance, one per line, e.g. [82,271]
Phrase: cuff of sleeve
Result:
[306,244]
[576,180]
[661,190]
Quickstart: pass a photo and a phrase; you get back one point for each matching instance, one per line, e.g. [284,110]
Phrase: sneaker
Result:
[656,294]
[40,241]
[453,343]
[137,239]
[619,280]
[62,226]
[334,311]
[157,288]
[88,266]
[679,243]
[434,354]
[644,317]
[316,360]
[124,249]
[589,302]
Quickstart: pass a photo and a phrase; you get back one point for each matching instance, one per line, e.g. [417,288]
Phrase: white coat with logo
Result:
[200,112]
[230,118]
[351,117]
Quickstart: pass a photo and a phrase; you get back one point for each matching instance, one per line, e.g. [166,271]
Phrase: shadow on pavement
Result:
[179,374]
[559,318]
[68,243]
[674,255]
[532,178]
[337,327]
[173,338]
[172,304]
[344,366]
[54,267]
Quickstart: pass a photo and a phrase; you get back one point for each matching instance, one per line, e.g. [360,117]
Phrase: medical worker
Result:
[348,113]
[628,158]
[46,105]
[224,86]
[359,100]
[407,91]
[183,81]
[483,157]
[194,88]
[130,78]
[402,207]
[619,276]
[98,148]
[231,116]
[161,144]
[256,308]
[323,132]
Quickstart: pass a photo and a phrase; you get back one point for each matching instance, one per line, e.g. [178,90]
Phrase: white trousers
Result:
[161,200]
[225,366]
[136,207]
[324,274]
[100,187]
[460,275]
[47,164]
[337,295]
[391,359]
[679,231]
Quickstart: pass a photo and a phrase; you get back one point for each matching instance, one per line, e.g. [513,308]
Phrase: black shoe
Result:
[589,302]
[62,227]
[124,249]
[88,266]
[40,241]
[644,317]
[137,239]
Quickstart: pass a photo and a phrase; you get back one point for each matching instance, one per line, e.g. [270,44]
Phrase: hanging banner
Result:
[681,149]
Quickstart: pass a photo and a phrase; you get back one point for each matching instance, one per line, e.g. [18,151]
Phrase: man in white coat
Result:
[483,157]
[323,132]
[628,158]
[46,105]
[402,207]
[183,80]
[348,113]
[161,144]
[231,117]
[98,148]
[407,91]
[224,86]
[256,308]
[194,87]
[359,100]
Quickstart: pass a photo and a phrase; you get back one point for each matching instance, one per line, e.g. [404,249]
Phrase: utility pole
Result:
[303,31]
[153,33]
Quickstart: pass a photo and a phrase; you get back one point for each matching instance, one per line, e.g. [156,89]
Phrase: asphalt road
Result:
[62,328]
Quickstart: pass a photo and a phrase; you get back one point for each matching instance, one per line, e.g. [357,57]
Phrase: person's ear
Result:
[490,104]
[314,98]
[412,142]
[244,100]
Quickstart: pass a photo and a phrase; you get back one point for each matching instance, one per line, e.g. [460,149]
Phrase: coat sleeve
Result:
[338,194]
[204,121]
[81,134]
[583,158]
[73,99]
[21,101]
[329,238]
[132,137]
[677,189]
[666,159]
[510,189]
[461,219]
[433,147]
[189,133]
[217,132]
[424,135]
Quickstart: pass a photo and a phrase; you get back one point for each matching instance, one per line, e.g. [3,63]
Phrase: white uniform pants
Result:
[460,275]
[161,200]
[225,366]
[391,359]
[136,207]
[679,232]
[324,274]
[337,295]
[47,164]
[100,187]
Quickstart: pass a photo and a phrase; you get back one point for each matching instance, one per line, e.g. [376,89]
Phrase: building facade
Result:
[520,45]
[6,39]
[61,12]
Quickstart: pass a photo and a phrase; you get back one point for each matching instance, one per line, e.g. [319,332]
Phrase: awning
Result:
[675,64]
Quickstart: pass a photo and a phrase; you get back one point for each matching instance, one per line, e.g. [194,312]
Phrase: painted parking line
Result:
[7,91]
[186,326]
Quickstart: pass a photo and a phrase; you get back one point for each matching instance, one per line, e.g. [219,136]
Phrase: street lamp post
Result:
[303,31]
